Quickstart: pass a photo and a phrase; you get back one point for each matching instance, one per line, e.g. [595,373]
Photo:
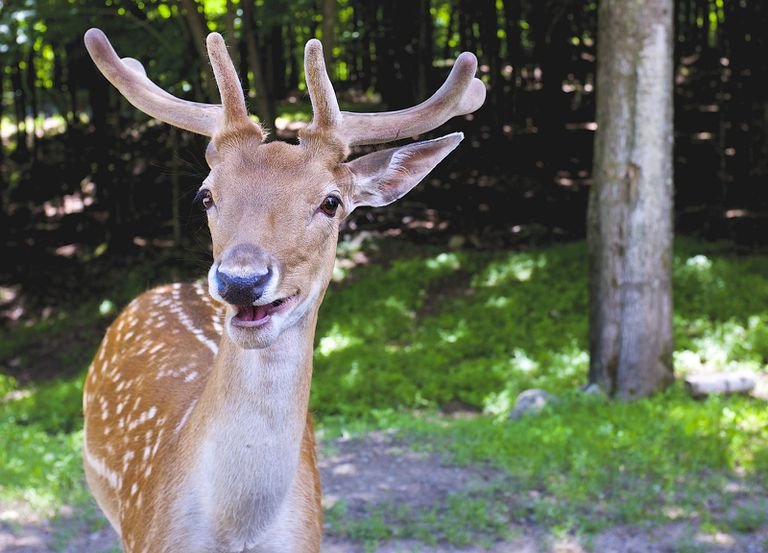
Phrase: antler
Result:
[460,94]
[130,78]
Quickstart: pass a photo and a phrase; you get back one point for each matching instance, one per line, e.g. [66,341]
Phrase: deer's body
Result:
[197,437]
[164,355]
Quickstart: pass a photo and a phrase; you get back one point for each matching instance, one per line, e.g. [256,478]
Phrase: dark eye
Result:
[203,199]
[330,205]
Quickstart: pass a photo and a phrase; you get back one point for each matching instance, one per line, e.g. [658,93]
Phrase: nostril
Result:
[242,289]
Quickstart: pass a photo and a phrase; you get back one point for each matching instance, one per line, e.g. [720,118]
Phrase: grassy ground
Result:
[403,341]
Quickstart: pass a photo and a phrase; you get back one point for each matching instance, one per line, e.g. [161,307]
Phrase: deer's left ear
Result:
[387,175]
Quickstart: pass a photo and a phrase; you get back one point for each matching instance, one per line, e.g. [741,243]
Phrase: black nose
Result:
[242,290]
[243,273]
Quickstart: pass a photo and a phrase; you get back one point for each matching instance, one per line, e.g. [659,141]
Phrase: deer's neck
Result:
[244,436]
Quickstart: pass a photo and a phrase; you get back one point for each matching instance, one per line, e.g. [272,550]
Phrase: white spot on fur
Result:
[184,417]
[99,466]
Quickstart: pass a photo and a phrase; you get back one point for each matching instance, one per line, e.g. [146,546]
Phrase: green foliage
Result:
[40,468]
[469,327]
[721,309]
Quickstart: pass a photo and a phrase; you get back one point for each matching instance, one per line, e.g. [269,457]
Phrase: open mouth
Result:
[249,316]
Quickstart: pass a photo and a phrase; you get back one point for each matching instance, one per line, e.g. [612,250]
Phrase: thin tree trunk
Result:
[71,84]
[487,17]
[20,106]
[198,30]
[512,16]
[264,100]
[291,63]
[31,82]
[630,205]
[447,51]
[424,50]
[231,37]
[2,141]
[367,67]
[328,30]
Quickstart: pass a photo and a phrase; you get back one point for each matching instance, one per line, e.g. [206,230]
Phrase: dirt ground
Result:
[378,469]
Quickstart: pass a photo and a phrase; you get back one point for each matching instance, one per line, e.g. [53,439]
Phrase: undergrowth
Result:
[431,329]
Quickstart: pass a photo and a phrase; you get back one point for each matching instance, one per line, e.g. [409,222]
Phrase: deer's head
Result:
[274,209]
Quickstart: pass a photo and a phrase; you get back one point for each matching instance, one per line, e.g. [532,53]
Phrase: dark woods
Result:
[84,173]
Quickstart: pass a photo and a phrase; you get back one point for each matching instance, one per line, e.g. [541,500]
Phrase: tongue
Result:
[253,313]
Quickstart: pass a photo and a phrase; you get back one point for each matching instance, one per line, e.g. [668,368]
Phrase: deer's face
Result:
[274,213]
[274,209]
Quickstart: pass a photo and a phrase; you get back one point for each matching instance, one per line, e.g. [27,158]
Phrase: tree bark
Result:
[31,82]
[229,18]
[397,43]
[630,205]
[514,44]
[424,50]
[2,143]
[329,35]
[20,105]
[264,100]
[198,30]
[366,75]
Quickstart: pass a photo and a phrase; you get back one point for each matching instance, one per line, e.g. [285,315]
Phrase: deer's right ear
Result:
[382,177]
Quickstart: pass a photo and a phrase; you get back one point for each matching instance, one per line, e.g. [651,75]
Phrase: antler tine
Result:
[325,107]
[129,77]
[460,94]
[231,92]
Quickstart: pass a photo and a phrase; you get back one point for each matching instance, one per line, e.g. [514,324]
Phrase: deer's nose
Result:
[243,275]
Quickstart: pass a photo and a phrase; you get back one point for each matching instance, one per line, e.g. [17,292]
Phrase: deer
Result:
[197,430]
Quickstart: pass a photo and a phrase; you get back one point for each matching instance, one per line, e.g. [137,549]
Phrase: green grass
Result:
[430,328]
[463,518]
[597,463]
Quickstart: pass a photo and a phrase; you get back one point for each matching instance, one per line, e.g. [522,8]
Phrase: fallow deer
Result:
[197,434]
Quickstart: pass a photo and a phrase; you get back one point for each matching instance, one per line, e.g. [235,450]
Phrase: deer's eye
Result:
[330,205]
[204,199]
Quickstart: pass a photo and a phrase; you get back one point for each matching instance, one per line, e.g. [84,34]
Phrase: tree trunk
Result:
[264,100]
[71,84]
[630,204]
[424,50]
[366,74]
[231,37]
[20,106]
[329,35]
[514,44]
[396,47]
[291,63]
[488,22]
[2,142]
[198,30]
[31,82]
